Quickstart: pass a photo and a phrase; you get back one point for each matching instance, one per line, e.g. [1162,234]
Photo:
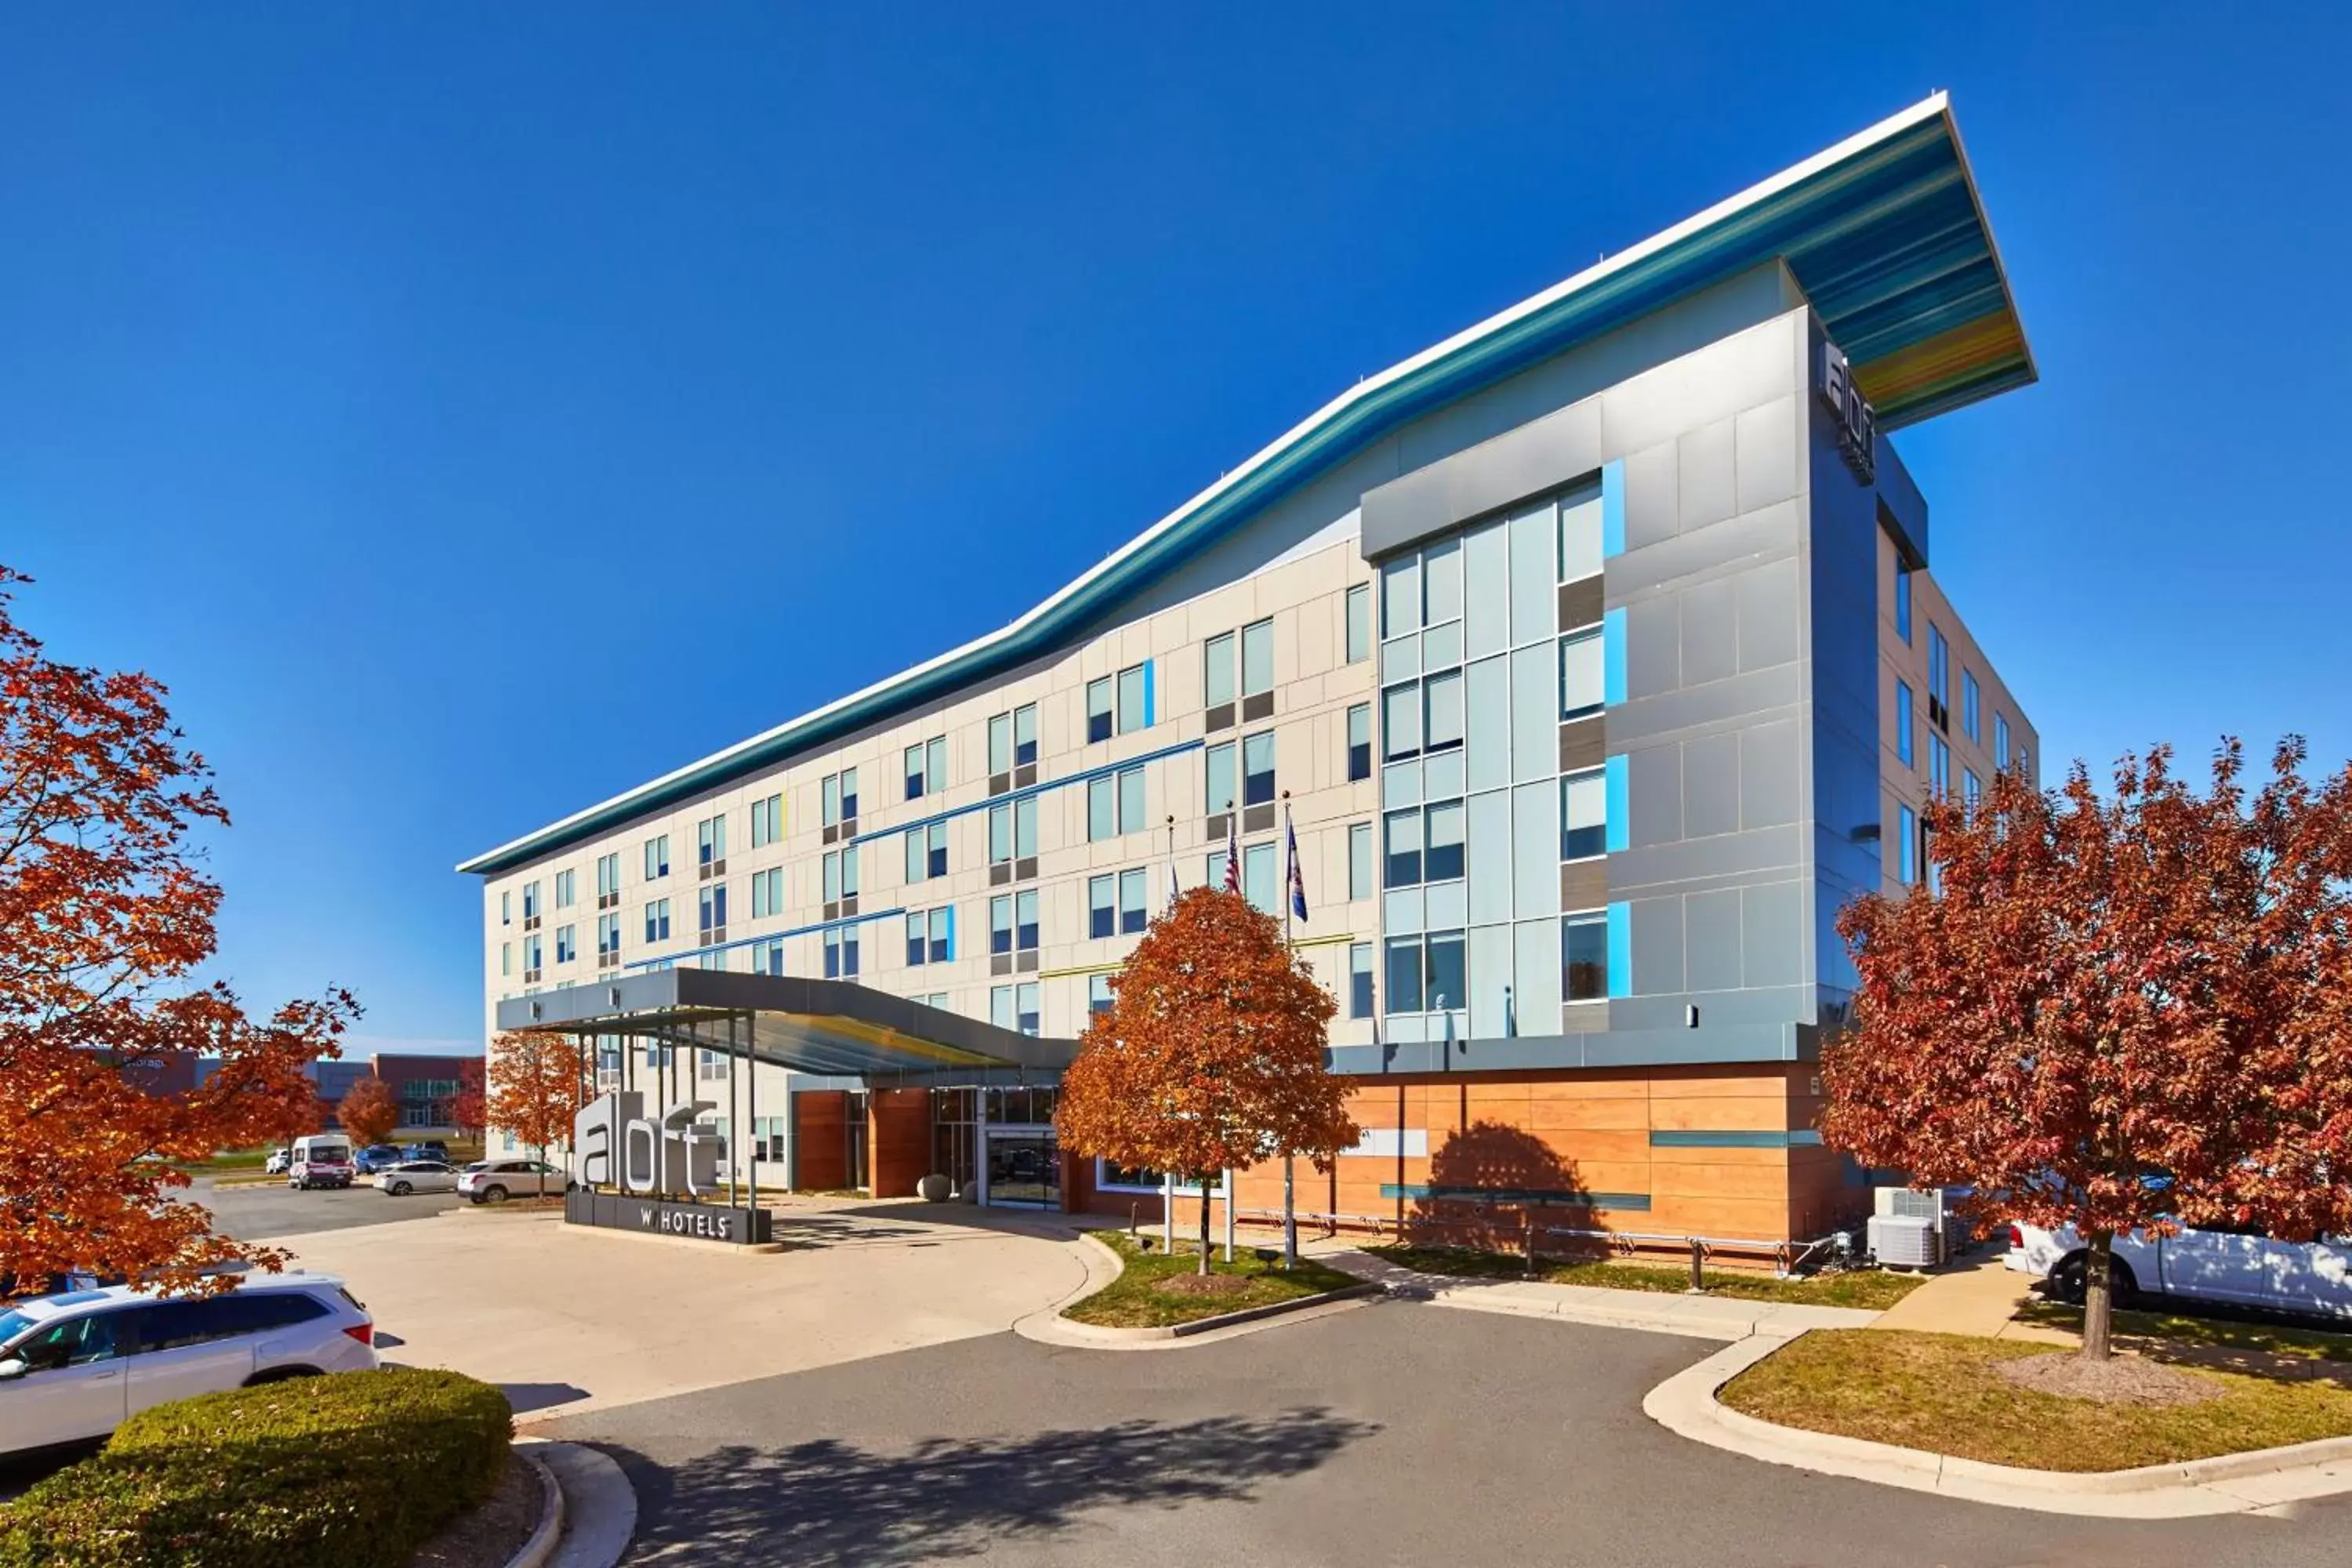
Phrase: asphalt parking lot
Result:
[1395,1434]
[259,1213]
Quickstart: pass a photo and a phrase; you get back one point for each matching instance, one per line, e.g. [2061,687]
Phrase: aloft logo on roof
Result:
[1857,425]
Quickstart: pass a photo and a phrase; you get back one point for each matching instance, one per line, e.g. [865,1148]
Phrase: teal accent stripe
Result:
[1617,791]
[1621,950]
[1612,507]
[1561,1197]
[952,940]
[1612,657]
[1151,692]
[1733,1138]
[1041,787]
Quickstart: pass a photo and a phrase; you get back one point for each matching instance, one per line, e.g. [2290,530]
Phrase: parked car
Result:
[2244,1268]
[430,1149]
[277,1163]
[321,1161]
[376,1156]
[417,1176]
[73,1367]
[495,1180]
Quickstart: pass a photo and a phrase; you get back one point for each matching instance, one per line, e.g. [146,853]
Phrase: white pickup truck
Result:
[2244,1269]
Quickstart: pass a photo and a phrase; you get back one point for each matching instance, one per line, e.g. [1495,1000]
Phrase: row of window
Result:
[1429,972]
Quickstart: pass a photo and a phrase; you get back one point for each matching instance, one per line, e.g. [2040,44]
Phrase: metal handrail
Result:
[1787,1256]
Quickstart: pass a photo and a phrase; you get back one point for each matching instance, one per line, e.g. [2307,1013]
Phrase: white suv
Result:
[2244,1268]
[76,1367]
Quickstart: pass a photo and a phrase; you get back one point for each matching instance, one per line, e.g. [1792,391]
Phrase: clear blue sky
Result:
[472,411]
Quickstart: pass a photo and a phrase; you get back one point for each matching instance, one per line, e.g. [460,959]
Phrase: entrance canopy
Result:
[834,1028]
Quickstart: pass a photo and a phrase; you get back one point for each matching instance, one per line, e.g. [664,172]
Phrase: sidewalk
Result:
[1978,1295]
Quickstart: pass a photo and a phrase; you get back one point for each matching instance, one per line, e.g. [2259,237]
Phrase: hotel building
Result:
[1596,652]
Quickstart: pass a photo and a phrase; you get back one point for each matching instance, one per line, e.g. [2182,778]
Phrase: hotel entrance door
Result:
[1024,1169]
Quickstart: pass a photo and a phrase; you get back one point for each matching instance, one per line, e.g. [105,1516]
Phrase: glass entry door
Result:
[1024,1169]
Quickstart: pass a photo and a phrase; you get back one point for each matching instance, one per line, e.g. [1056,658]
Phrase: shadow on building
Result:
[1495,1187]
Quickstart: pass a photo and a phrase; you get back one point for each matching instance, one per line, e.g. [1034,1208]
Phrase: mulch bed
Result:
[2118,1380]
[1203,1285]
[491,1535]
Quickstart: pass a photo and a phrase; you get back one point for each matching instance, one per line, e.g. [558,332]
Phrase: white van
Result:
[321,1160]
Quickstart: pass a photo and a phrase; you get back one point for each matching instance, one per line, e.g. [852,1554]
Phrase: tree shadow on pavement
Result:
[828,1503]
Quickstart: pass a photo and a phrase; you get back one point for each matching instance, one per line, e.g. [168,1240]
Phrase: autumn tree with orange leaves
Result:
[469,1113]
[104,920]
[538,1084]
[369,1112]
[2117,1014]
[1211,1055]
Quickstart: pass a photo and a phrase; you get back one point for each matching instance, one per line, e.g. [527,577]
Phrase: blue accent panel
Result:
[1733,1138]
[1621,950]
[1612,657]
[952,946]
[1616,786]
[1151,692]
[1612,507]
[669,960]
[1036,789]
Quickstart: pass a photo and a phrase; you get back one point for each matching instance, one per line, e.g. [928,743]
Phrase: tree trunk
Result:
[2098,1296]
[542,1173]
[1205,1224]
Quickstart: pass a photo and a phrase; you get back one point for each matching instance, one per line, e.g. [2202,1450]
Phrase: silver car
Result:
[417,1176]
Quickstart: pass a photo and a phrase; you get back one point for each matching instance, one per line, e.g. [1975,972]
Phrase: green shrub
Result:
[356,1471]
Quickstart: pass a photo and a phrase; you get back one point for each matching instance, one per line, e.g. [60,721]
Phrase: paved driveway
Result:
[255,1213]
[1395,1434]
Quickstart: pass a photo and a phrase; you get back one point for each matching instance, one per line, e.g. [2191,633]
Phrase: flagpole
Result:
[1290,883]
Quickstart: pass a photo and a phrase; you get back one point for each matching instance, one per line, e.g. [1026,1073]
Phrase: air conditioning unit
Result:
[1905,1241]
[1933,1205]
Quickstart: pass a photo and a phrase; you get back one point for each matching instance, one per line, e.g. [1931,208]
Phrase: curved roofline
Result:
[1734,233]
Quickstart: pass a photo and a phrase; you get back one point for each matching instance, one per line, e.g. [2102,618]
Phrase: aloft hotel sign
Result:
[653,1164]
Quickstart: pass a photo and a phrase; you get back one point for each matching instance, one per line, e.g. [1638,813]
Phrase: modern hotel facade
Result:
[1596,653]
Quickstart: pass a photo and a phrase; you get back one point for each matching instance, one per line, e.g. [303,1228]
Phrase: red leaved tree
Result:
[2123,1014]
[1211,1054]
[104,920]
[468,1113]
[536,1086]
[369,1112]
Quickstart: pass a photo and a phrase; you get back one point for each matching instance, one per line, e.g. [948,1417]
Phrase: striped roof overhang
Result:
[1884,231]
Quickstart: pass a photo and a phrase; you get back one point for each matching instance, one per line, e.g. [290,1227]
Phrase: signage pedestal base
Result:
[662,1216]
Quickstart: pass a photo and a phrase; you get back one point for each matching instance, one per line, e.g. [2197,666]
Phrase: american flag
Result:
[1232,852]
[1295,876]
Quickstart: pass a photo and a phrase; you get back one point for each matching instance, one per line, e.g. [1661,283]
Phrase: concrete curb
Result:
[1103,1265]
[2252,1482]
[598,1507]
[536,1551]
[1700,1317]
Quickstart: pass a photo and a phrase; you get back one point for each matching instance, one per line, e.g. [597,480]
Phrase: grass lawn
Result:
[2271,1339]
[1135,1299]
[1867,1290]
[1938,1392]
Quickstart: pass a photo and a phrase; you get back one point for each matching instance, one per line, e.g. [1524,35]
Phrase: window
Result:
[1219,773]
[938,999]
[1404,858]
[930,936]
[768,893]
[531,956]
[1258,880]
[1903,602]
[1359,980]
[1971,790]
[1099,994]
[1258,769]
[1401,721]
[563,890]
[1013,830]
[657,857]
[1424,843]
[711,1065]
[1360,623]
[564,950]
[767,821]
[713,906]
[1583,681]
[1098,711]
[1014,1007]
[768,957]
[1939,764]
[841,954]
[608,938]
[1112,1177]
[1579,534]
[1906,845]
[1968,707]
[1102,911]
[710,845]
[838,797]
[1426,974]
[1258,657]
[1359,861]
[1939,659]
[1584,814]
[1902,724]
[1359,741]
[1442,711]
[2000,740]
[1442,859]
[1217,670]
[608,881]
[1013,922]
[1133,916]
[506,958]
[926,852]
[657,921]
[1013,739]
[840,874]
[1134,699]
[530,902]
[927,767]
[1115,803]
[1584,956]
